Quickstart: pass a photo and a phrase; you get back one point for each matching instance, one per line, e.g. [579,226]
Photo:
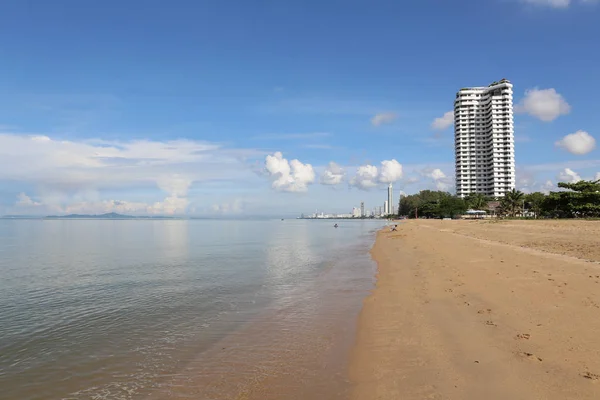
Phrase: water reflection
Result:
[172,239]
[113,309]
[288,250]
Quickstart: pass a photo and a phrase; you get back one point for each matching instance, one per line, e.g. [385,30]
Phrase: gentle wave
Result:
[136,309]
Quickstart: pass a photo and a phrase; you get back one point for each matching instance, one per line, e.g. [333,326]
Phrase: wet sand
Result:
[296,348]
[477,309]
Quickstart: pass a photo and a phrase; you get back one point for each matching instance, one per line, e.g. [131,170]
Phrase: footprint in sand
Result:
[488,311]
[490,323]
[589,375]
[529,356]
[523,336]
[590,303]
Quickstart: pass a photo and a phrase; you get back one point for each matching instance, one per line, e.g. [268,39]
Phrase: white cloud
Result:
[383,118]
[75,175]
[292,176]
[550,3]
[169,206]
[175,184]
[25,201]
[40,159]
[547,187]
[366,177]
[391,171]
[528,182]
[234,207]
[597,177]
[568,175]
[333,174]
[578,143]
[557,3]
[369,176]
[436,174]
[544,104]
[439,178]
[443,122]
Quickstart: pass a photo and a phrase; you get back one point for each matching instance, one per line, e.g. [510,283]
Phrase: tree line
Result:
[576,200]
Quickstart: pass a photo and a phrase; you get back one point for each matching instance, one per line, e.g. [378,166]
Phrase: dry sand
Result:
[482,310]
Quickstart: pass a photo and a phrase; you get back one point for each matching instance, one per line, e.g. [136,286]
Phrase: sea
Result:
[180,309]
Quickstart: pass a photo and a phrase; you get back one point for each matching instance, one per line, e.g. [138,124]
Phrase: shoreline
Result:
[297,350]
[470,310]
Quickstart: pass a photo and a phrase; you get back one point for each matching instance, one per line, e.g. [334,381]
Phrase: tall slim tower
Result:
[390,199]
[484,142]
[362,209]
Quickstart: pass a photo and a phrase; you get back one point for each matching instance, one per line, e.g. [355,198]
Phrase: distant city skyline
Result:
[271,109]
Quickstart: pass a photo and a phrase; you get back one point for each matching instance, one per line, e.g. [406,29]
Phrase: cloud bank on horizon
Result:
[68,176]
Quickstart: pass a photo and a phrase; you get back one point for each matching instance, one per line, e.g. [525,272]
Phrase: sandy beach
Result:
[479,309]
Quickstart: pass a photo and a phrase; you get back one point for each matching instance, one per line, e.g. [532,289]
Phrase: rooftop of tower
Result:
[500,82]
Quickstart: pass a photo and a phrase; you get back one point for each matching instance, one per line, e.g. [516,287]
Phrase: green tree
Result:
[513,201]
[535,201]
[427,204]
[503,209]
[477,201]
[452,206]
[408,205]
[581,200]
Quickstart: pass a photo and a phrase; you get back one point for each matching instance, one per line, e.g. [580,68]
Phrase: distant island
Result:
[105,216]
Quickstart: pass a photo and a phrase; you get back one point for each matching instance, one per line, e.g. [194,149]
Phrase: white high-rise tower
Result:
[390,199]
[484,140]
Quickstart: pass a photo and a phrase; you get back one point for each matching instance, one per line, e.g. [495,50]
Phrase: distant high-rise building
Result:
[386,209]
[390,199]
[484,140]
[362,209]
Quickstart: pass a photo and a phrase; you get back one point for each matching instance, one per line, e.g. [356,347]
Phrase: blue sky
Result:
[155,107]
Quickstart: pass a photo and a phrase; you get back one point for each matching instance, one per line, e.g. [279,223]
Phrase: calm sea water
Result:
[198,309]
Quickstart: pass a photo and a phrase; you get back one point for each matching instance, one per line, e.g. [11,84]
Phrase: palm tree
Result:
[502,210]
[477,201]
[513,201]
